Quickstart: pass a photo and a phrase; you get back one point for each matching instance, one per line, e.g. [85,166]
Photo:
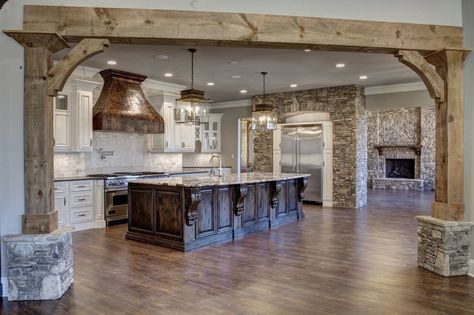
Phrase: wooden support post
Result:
[449,203]
[40,216]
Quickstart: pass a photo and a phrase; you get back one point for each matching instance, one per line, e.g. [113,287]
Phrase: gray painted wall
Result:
[398,100]
[468,24]
[229,133]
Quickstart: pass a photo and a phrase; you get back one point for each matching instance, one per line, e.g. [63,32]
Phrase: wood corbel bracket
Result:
[61,71]
[276,189]
[433,81]
[302,184]
[193,199]
[240,195]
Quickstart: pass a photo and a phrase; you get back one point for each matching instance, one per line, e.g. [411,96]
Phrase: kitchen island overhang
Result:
[186,213]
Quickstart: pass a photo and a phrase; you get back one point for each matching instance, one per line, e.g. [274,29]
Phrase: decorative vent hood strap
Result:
[122,105]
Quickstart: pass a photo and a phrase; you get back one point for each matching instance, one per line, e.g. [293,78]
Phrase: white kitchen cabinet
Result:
[60,202]
[62,123]
[211,134]
[80,204]
[84,120]
[73,117]
[177,138]
[184,138]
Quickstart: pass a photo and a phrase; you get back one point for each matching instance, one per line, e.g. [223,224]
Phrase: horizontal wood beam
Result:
[238,29]
[61,71]
[34,39]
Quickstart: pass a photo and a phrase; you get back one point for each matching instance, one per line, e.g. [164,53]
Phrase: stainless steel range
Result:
[116,193]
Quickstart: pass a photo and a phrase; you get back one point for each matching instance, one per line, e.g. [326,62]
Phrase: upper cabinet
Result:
[177,138]
[73,117]
[211,134]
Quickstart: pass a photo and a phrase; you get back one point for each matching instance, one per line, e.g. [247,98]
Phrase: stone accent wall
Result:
[404,126]
[443,246]
[346,105]
[39,266]
[398,184]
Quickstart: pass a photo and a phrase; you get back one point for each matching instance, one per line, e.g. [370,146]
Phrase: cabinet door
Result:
[211,134]
[84,130]
[99,201]
[62,124]
[177,143]
[60,205]
[187,138]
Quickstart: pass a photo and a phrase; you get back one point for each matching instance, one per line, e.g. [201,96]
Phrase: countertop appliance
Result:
[302,152]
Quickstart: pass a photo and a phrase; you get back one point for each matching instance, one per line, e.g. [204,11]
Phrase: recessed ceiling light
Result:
[236,77]
[307,50]
[243,91]
[111,62]
[210,83]
[340,65]
[233,62]
[363,77]
[168,75]
[161,57]
[293,85]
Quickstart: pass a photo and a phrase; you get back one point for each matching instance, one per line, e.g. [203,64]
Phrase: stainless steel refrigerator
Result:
[302,152]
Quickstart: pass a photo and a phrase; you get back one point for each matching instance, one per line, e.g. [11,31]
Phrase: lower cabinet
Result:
[80,204]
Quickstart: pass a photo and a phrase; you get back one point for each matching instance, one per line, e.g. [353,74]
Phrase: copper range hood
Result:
[122,105]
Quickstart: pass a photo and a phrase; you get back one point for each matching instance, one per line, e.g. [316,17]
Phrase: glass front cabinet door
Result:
[211,134]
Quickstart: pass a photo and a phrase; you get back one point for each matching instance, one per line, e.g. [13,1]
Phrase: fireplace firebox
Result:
[400,168]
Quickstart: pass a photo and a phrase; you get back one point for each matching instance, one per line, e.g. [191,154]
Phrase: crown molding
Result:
[395,88]
[150,84]
[232,104]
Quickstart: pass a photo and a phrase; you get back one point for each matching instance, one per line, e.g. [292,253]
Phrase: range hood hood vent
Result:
[122,105]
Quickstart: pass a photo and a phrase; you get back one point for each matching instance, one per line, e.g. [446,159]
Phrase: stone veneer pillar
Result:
[443,246]
[346,106]
[39,265]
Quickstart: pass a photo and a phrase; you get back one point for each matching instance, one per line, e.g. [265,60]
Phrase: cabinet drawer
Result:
[81,185]
[78,199]
[81,215]
[60,188]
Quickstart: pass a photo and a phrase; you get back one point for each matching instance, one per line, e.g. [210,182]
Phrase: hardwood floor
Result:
[336,261]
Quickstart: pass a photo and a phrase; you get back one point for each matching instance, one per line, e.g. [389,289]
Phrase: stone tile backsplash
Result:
[130,153]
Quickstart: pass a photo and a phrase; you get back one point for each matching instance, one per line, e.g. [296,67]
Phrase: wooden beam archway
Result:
[414,44]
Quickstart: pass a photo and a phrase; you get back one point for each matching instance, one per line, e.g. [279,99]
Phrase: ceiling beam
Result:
[238,29]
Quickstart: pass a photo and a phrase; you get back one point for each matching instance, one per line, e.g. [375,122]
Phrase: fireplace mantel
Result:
[416,148]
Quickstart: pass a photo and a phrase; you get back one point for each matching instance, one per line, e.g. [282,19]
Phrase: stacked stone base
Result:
[39,265]
[443,246]
[398,184]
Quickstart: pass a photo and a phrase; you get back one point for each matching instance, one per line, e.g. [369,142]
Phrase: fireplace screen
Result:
[400,168]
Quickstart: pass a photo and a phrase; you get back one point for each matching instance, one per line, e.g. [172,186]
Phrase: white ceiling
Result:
[309,70]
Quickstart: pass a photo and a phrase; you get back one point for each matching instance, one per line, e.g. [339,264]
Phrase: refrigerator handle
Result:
[297,155]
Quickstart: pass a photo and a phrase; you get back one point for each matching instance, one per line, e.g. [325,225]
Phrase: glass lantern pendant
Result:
[198,108]
[263,116]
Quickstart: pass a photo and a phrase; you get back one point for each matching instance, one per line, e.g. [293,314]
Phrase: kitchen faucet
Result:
[214,156]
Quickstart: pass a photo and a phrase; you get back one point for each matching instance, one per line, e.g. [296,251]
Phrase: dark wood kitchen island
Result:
[186,213]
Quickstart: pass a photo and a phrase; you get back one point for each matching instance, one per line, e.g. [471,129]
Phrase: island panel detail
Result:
[189,213]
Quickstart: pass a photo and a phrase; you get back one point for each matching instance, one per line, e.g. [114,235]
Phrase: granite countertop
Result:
[79,177]
[85,177]
[205,167]
[231,179]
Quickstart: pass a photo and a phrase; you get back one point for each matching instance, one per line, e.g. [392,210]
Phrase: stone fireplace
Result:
[401,149]
[400,168]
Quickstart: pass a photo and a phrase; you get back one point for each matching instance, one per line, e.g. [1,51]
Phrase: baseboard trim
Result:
[4,281]
[328,204]
[471,268]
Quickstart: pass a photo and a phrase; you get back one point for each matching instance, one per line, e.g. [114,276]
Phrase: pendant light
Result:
[263,116]
[198,109]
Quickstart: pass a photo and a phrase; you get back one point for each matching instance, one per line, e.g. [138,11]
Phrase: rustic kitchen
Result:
[176,161]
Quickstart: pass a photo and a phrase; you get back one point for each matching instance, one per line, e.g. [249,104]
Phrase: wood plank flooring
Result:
[336,261]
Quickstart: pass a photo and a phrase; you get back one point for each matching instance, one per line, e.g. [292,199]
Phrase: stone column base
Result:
[443,246]
[39,265]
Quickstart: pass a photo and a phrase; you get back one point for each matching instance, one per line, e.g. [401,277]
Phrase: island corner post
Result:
[437,45]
